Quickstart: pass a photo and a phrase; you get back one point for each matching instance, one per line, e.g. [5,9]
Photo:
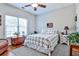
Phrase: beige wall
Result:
[9,10]
[60,18]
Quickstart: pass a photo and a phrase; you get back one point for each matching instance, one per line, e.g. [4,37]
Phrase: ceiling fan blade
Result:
[35,8]
[44,6]
[27,5]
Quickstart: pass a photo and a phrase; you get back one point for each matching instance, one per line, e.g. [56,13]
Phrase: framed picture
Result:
[49,25]
[76,18]
[0,19]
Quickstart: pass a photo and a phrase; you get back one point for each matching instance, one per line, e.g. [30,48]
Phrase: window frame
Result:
[17,24]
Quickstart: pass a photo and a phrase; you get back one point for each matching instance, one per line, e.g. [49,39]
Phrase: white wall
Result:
[77,13]
[60,18]
[9,10]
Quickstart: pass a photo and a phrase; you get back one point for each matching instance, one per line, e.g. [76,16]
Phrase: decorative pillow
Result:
[51,31]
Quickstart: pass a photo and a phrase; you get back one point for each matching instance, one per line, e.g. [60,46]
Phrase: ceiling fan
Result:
[35,5]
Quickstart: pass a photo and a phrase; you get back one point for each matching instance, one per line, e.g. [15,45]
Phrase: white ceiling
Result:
[49,7]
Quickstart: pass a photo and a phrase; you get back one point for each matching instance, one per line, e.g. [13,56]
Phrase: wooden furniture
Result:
[3,45]
[10,49]
[74,50]
[17,41]
[64,39]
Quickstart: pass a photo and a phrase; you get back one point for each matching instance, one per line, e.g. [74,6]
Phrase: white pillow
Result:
[51,31]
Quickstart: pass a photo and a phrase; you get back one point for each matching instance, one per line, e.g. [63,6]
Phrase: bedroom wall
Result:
[60,18]
[6,9]
[77,13]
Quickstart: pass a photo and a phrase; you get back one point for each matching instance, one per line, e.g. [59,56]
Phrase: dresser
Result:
[17,40]
[74,50]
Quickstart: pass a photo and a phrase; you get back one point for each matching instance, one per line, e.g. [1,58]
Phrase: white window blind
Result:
[15,25]
[22,26]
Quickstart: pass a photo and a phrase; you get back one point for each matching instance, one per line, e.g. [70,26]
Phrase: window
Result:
[15,25]
[22,26]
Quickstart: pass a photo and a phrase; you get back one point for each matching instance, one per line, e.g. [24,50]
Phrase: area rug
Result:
[25,51]
[60,50]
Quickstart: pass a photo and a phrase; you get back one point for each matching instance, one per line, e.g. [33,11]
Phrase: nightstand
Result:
[74,50]
[64,39]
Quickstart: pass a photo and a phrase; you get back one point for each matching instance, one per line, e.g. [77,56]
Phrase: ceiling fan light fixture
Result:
[34,5]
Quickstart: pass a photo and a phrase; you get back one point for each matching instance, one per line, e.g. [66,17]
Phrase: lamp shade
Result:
[66,28]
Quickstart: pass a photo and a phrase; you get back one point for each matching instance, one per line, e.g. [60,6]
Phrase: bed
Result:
[42,42]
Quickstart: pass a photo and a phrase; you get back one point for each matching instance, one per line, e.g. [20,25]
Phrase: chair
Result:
[3,45]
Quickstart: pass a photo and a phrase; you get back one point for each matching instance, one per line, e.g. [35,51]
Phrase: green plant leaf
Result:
[73,37]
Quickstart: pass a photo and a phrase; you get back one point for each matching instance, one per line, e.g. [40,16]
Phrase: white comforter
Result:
[42,41]
[44,36]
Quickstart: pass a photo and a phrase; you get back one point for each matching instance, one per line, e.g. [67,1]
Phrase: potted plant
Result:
[17,34]
[74,38]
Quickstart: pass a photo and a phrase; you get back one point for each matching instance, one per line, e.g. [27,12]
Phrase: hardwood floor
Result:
[11,48]
[9,51]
